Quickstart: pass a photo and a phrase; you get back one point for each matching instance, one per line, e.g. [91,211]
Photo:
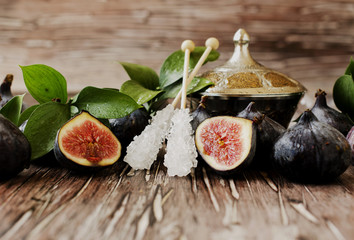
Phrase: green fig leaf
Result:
[138,92]
[350,68]
[105,103]
[196,85]
[343,95]
[172,69]
[43,125]
[44,83]
[12,109]
[26,114]
[146,76]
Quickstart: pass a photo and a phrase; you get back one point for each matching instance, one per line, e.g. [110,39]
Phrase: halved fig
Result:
[86,143]
[226,143]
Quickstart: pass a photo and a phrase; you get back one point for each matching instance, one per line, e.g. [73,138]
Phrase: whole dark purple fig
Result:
[311,151]
[350,138]
[199,114]
[326,114]
[15,150]
[268,132]
[126,128]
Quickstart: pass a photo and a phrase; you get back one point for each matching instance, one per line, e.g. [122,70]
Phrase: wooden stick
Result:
[211,44]
[187,47]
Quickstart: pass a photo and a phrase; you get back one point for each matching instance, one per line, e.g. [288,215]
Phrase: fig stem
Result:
[203,101]
[6,85]
[321,98]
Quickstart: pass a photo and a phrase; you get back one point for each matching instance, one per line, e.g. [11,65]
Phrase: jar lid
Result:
[241,75]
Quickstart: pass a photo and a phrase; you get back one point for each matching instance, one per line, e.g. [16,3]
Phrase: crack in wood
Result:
[11,233]
[147,175]
[18,188]
[131,173]
[124,171]
[335,231]
[222,182]
[250,190]
[311,194]
[48,196]
[83,188]
[121,176]
[345,188]
[303,199]
[233,188]
[194,181]
[157,204]
[56,184]
[46,172]
[231,212]
[91,220]
[142,224]
[44,206]
[156,172]
[300,208]
[182,237]
[44,203]
[283,214]
[38,199]
[210,190]
[167,195]
[153,212]
[269,181]
[116,216]
[128,228]
[42,224]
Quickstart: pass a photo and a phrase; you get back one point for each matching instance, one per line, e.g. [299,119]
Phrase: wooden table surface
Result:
[49,202]
[311,41]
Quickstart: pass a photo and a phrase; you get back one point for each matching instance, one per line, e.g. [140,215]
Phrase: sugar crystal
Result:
[181,154]
[143,150]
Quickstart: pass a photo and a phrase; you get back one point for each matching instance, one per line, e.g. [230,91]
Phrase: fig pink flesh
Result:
[221,140]
[90,142]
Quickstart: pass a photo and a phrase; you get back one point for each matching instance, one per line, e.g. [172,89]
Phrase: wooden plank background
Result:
[312,41]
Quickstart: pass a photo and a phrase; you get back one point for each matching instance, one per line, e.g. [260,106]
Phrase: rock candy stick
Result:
[187,47]
[211,44]
[181,154]
[143,150]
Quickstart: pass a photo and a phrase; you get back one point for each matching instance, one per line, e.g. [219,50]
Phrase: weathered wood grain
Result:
[311,41]
[53,203]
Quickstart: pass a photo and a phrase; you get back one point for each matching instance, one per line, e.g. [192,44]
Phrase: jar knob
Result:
[241,37]
[241,55]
